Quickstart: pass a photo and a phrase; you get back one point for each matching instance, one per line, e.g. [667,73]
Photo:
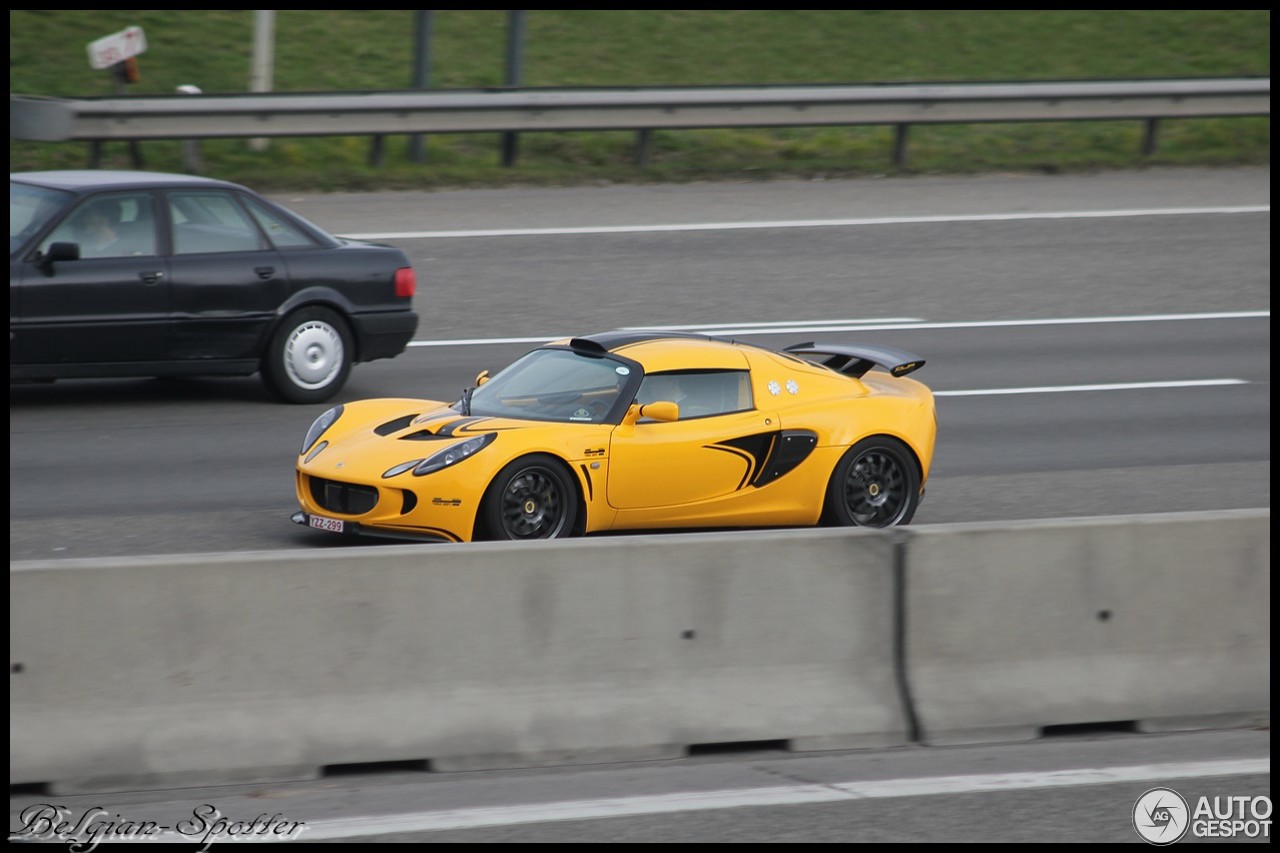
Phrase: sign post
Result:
[116,52]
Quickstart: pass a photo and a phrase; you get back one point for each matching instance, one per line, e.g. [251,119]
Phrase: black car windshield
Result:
[30,209]
[554,385]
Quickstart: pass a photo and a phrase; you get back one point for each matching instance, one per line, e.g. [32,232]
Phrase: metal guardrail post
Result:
[644,138]
[1149,137]
[421,75]
[515,61]
[900,145]
[96,148]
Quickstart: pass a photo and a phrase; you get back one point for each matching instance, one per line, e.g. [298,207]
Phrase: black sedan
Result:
[144,274]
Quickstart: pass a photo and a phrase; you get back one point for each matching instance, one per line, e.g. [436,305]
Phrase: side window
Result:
[211,221]
[115,225]
[282,233]
[699,394]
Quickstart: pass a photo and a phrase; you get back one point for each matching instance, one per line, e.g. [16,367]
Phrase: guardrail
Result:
[236,668]
[643,110]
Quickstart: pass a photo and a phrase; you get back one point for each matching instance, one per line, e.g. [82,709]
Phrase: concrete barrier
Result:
[163,672]
[240,668]
[1164,621]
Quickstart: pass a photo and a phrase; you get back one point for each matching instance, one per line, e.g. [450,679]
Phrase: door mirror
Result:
[482,377]
[58,252]
[662,410]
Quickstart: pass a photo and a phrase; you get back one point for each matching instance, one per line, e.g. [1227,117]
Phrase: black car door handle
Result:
[265,272]
[150,277]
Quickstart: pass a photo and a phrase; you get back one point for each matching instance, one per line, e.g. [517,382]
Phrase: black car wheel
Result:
[875,484]
[532,498]
[309,358]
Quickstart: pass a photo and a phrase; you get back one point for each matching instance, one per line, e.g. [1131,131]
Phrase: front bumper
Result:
[354,529]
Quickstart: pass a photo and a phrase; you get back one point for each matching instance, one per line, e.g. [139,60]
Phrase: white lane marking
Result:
[796,327]
[811,223]
[1118,386]
[473,818]
[992,324]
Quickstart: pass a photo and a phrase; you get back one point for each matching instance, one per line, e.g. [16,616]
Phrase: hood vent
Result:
[395,426]
[427,435]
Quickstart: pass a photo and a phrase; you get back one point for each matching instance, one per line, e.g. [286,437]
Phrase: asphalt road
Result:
[1081,333]
[1072,787]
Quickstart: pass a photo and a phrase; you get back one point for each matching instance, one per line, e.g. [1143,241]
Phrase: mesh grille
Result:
[343,498]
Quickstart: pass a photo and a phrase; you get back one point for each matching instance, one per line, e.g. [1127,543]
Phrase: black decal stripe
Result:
[759,445]
[741,454]
[591,492]
[435,416]
[462,424]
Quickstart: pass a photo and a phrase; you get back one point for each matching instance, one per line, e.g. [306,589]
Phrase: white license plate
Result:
[333,525]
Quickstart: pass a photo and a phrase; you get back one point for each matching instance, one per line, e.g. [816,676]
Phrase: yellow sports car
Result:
[631,430]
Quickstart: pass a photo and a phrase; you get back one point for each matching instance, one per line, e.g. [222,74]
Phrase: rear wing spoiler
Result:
[855,360]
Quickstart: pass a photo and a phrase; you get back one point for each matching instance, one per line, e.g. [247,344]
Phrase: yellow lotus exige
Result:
[631,430]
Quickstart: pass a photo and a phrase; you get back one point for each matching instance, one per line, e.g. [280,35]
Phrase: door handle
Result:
[150,277]
[265,272]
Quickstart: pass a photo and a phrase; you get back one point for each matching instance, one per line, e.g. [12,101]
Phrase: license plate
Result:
[333,525]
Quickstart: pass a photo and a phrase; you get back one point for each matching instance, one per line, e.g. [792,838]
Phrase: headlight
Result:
[452,455]
[321,424]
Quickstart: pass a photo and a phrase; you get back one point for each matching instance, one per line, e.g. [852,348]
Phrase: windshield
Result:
[30,209]
[557,385]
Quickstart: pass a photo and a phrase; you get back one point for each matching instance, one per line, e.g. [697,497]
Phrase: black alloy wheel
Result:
[875,484]
[532,498]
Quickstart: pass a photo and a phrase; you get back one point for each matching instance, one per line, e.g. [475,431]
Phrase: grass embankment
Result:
[374,50]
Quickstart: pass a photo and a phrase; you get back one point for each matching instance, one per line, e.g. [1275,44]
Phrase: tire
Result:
[875,484]
[309,357]
[531,498]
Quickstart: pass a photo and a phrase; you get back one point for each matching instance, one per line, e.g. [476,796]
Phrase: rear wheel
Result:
[532,498]
[309,357]
[875,484]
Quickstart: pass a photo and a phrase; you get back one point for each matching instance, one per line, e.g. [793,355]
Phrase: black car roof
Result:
[98,179]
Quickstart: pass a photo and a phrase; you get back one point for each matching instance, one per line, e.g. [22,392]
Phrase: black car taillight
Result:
[406,282]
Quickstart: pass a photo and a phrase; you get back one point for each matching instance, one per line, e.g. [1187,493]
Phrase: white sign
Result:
[117,47]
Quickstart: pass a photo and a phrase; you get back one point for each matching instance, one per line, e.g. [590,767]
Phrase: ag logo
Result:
[1161,816]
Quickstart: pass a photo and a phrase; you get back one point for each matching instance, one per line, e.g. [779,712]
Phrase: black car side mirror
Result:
[58,252]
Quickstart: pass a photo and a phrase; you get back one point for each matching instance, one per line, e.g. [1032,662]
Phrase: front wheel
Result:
[532,498]
[875,484]
[309,357]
